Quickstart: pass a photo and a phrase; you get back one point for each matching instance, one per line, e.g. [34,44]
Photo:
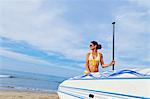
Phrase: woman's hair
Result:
[98,45]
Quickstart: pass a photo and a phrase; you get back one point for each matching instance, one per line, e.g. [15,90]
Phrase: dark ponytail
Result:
[99,46]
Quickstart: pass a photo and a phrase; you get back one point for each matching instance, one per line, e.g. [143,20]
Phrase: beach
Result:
[24,85]
[11,94]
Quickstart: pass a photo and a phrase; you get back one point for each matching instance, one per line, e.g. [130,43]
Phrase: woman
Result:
[94,58]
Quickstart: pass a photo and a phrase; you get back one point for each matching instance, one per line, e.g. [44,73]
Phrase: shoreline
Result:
[24,94]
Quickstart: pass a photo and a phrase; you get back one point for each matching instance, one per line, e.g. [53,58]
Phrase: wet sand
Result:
[27,95]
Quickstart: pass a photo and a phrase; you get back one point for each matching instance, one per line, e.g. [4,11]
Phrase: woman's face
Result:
[92,46]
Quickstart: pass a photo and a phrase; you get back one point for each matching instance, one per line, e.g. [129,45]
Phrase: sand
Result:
[27,95]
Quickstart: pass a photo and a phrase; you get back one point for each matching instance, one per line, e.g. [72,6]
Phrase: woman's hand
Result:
[112,62]
[86,72]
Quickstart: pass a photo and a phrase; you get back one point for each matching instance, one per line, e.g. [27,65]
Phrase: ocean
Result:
[16,80]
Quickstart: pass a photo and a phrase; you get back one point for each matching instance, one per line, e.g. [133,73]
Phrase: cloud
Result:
[23,57]
[132,34]
[32,52]
[45,29]
[22,62]
[141,3]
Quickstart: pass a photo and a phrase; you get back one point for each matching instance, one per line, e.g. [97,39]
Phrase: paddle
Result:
[113,56]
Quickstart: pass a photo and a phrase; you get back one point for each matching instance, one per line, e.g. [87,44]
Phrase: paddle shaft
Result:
[113,53]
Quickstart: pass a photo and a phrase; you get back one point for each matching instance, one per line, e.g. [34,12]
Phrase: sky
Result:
[53,36]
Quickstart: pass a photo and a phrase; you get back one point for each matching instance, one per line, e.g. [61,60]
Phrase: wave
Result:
[25,89]
[30,76]
[6,76]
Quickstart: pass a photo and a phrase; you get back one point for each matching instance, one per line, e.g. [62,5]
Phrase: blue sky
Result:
[53,36]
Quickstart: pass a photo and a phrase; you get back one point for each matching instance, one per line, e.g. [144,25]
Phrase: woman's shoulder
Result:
[100,53]
[88,53]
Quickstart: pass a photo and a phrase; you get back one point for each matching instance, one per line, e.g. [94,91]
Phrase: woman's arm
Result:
[102,62]
[87,62]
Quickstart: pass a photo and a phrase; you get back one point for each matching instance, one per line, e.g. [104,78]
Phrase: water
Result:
[15,80]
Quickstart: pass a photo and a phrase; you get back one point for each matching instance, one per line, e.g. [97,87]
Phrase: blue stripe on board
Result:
[129,72]
[137,74]
[147,78]
[111,93]
[71,94]
[87,75]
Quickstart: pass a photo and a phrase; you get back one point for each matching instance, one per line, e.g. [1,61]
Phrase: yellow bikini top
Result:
[94,60]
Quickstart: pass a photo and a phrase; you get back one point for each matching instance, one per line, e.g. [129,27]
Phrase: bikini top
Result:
[92,58]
